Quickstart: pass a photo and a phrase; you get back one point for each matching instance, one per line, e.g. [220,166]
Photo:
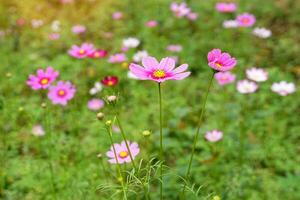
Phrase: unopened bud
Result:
[44,105]
[100,116]
[146,133]
[111,98]
[8,74]
[108,122]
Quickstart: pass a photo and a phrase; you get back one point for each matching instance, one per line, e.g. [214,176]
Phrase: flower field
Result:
[154,99]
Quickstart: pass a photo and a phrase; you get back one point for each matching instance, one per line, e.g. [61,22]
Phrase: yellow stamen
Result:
[81,51]
[219,65]
[159,73]
[124,64]
[97,54]
[110,83]
[61,92]
[123,154]
[44,81]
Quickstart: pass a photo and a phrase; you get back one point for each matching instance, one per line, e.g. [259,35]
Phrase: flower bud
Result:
[108,122]
[100,116]
[43,105]
[111,98]
[146,133]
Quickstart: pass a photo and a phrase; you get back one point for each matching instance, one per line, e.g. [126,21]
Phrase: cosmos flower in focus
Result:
[262,32]
[246,20]
[220,61]
[78,29]
[61,93]
[283,88]
[224,78]
[131,42]
[42,79]
[122,152]
[99,53]
[117,58]
[159,72]
[138,56]
[110,80]
[230,24]
[95,104]
[174,48]
[226,7]
[179,9]
[246,87]
[81,51]
[257,74]
[38,130]
[151,23]
[213,136]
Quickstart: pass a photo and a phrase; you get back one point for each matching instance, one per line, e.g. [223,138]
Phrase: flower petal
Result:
[138,71]
[180,69]
[167,64]
[149,63]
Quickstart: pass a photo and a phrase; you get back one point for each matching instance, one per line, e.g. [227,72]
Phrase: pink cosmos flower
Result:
[246,87]
[174,48]
[159,72]
[257,74]
[99,53]
[220,61]
[224,78]
[192,16]
[226,7]
[151,23]
[117,15]
[95,104]
[122,152]
[214,135]
[78,29]
[246,20]
[53,36]
[117,58]
[42,79]
[283,88]
[81,51]
[38,130]
[61,93]
[179,10]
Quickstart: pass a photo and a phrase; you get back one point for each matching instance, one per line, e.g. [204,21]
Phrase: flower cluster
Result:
[86,50]
[181,10]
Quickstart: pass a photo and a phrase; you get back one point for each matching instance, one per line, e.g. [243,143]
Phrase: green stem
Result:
[118,165]
[197,133]
[161,152]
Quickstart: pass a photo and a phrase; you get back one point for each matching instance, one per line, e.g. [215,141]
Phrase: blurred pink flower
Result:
[116,129]
[151,23]
[214,135]
[61,93]
[220,61]
[174,48]
[95,104]
[117,58]
[192,16]
[179,10]
[42,79]
[38,130]
[122,152]
[159,72]
[283,88]
[53,36]
[78,29]
[99,53]
[81,51]
[246,87]
[246,20]
[117,15]
[257,74]
[226,7]
[224,78]
[66,1]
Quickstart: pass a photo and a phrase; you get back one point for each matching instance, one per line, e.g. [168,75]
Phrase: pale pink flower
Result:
[81,51]
[42,79]
[224,78]
[246,20]
[226,7]
[38,130]
[54,36]
[116,129]
[138,56]
[159,72]
[131,42]
[117,15]
[246,87]
[78,29]
[257,74]
[151,23]
[179,10]
[117,58]
[95,104]
[213,136]
[61,93]
[192,16]
[230,24]
[283,88]
[122,152]
[174,48]
[220,61]
[262,32]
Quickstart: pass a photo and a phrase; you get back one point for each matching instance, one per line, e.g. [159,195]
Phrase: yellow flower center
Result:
[81,51]
[123,154]
[97,54]
[245,20]
[159,73]
[44,81]
[219,65]
[110,83]
[61,92]
[124,64]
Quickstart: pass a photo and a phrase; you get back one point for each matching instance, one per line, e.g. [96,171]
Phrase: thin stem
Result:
[118,165]
[197,133]
[161,152]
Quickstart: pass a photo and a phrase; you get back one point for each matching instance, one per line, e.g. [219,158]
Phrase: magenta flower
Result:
[99,53]
[224,78]
[117,15]
[226,7]
[42,79]
[180,10]
[122,152]
[95,104]
[151,23]
[214,136]
[159,72]
[174,48]
[117,58]
[61,93]
[246,20]
[81,51]
[220,61]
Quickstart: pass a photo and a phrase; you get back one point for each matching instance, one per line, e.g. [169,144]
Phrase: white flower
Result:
[138,56]
[283,88]
[55,26]
[38,130]
[36,23]
[131,42]
[131,75]
[214,136]
[97,88]
[257,74]
[246,87]
[262,32]
[230,24]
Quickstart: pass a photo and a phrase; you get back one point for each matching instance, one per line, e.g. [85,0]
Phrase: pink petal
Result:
[150,63]
[167,64]
[181,76]
[138,71]
[180,69]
